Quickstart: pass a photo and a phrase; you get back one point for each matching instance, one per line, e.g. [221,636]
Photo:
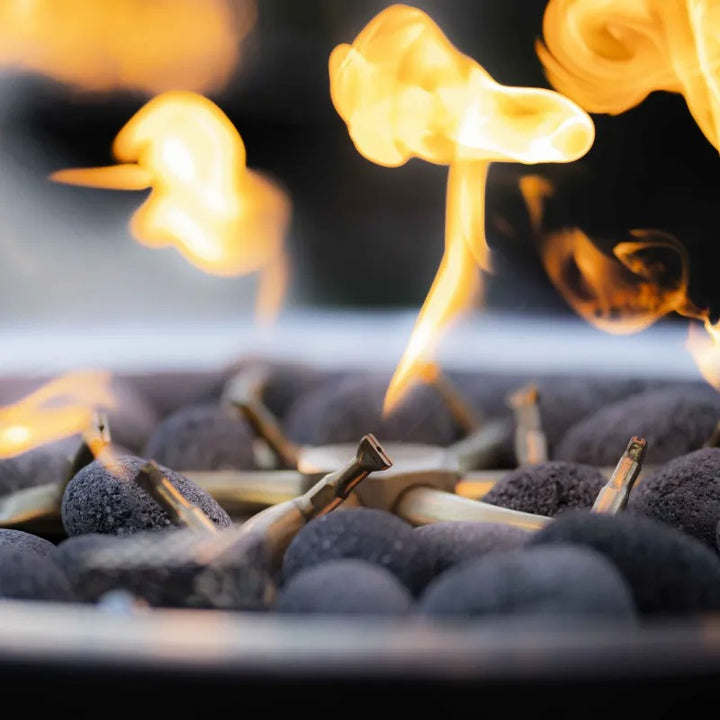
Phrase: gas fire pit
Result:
[455,505]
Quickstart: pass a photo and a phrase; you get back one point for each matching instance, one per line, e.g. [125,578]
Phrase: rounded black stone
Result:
[548,488]
[27,575]
[43,465]
[450,543]
[21,540]
[559,580]
[202,437]
[366,534]
[667,571]
[346,409]
[98,500]
[565,401]
[673,420]
[284,382]
[344,587]
[684,493]
[172,568]
[132,418]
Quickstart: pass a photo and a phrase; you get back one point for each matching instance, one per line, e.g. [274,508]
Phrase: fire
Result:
[404,91]
[705,349]
[224,218]
[133,45]
[608,55]
[628,291]
[60,408]
[623,293]
[644,279]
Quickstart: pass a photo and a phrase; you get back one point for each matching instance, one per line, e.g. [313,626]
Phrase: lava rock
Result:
[25,541]
[132,418]
[172,568]
[168,391]
[667,571]
[346,409]
[42,465]
[558,580]
[565,401]
[344,587]
[98,500]
[450,543]
[684,493]
[25,574]
[284,382]
[203,437]
[547,488]
[366,534]
[674,421]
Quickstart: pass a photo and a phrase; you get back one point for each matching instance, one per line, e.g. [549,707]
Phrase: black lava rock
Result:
[20,540]
[346,409]
[43,465]
[673,420]
[558,580]
[25,574]
[98,500]
[667,571]
[284,382]
[344,587]
[366,534]
[564,400]
[203,437]
[132,418]
[684,493]
[172,568]
[450,543]
[548,488]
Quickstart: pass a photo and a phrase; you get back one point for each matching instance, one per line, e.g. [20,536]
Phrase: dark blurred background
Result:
[362,235]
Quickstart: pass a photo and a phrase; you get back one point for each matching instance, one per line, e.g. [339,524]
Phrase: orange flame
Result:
[127,44]
[58,409]
[705,349]
[221,216]
[623,293]
[628,291]
[608,55]
[404,91]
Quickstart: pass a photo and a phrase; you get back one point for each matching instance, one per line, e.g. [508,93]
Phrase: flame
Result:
[705,350]
[224,218]
[58,409]
[608,55]
[623,293]
[134,45]
[628,291]
[404,91]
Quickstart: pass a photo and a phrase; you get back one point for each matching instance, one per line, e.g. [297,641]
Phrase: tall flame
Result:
[58,409]
[224,218]
[127,44]
[608,55]
[404,91]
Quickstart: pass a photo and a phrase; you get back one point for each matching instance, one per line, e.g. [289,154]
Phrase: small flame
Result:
[127,44]
[58,409]
[608,55]
[705,349]
[623,293]
[404,91]
[224,218]
[628,291]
